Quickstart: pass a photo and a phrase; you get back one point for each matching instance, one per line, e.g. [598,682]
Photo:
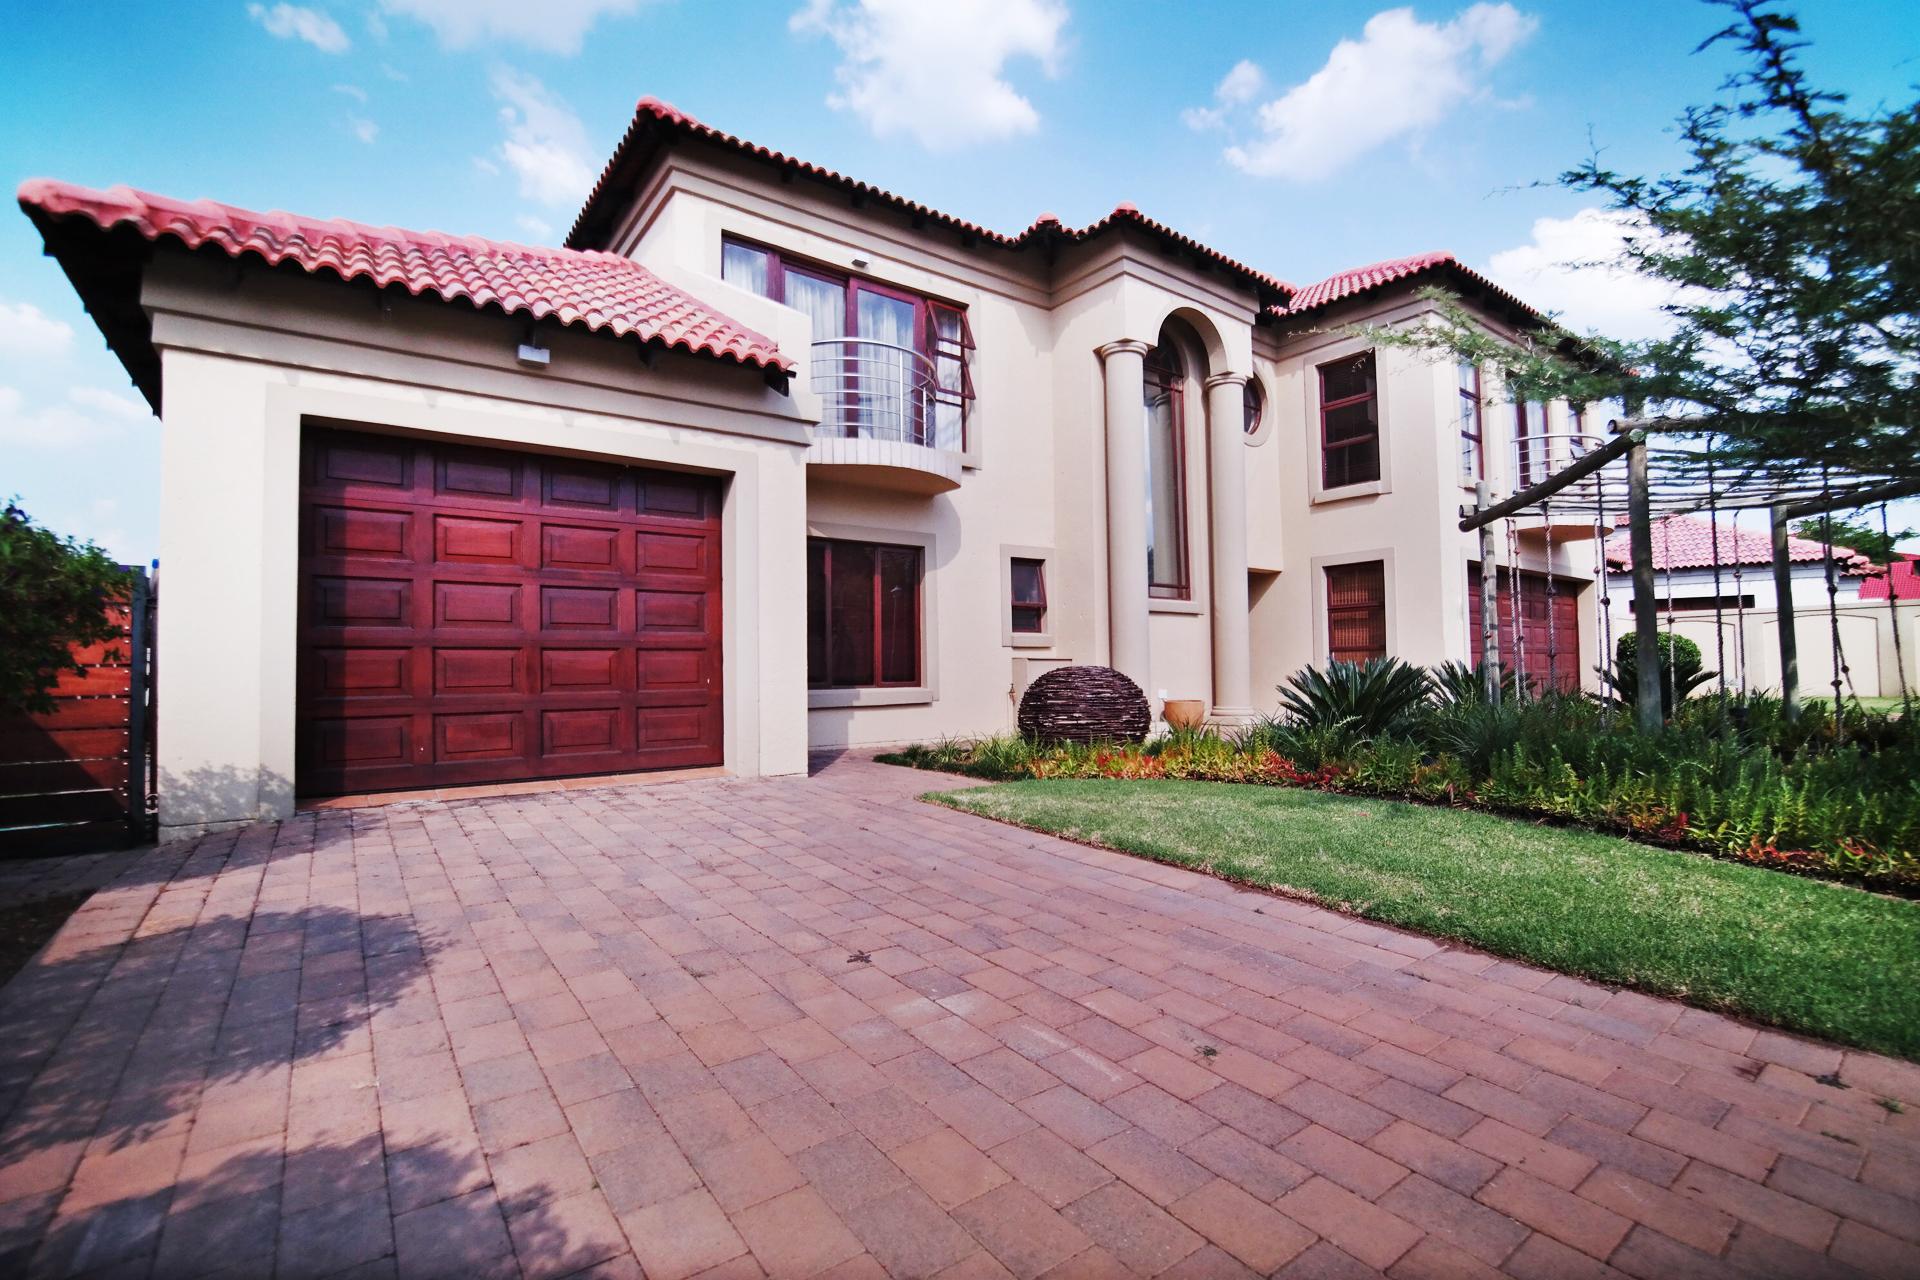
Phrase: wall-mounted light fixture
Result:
[534,357]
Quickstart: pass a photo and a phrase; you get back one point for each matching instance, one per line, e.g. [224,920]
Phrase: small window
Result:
[1256,402]
[1349,423]
[1029,604]
[1357,611]
[863,614]
[1473,462]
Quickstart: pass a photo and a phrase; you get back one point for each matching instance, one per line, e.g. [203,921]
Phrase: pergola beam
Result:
[1575,471]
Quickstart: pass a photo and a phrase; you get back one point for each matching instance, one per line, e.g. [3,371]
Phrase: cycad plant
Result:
[1369,699]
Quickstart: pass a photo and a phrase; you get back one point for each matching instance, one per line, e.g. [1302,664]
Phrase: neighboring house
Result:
[1684,551]
[766,459]
[1746,645]
[1901,579]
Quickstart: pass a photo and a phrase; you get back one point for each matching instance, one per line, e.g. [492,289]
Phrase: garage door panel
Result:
[478,473]
[361,533]
[576,731]
[580,608]
[340,601]
[585,484]
[580,547]
[363,742]
[476,604]
[478,672]
[582,670]
[480,735]
[343,461]
[473,540]
[476,615]
[364,672]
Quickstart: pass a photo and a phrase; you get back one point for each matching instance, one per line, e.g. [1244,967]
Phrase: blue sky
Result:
[1301,138]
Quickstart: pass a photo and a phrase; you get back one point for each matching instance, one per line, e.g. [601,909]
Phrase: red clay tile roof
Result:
[1905,579]
[1686,542]
[597,292]
[1359,280]
[653,118]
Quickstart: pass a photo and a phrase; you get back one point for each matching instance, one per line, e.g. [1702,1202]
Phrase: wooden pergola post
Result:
[1783,616]
[1648,713]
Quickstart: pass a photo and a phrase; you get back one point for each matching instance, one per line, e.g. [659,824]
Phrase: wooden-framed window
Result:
[896,324]
[1028,579]
[1349,422]
[863,614]
[1473,455]
[1530,442]
[1357,611]
[1254,402]
[1167,577]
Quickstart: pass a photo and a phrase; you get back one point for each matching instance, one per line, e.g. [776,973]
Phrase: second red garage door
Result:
[474,615]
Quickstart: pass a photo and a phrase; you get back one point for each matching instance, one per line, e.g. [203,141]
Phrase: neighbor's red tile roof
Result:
[1359,280]
[1905,579]
[1686,542]
[653,118]
[598,292]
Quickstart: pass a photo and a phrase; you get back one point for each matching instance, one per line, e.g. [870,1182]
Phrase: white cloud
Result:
[1399,79]
[86,420]
[364,129]
[297,22]
[1573,267]
[1238,87]
[353,91]
[116,403]
[546,145]
[936,72]
[556,26]
[538,228]
[26,330]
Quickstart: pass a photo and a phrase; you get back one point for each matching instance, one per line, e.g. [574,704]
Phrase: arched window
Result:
[1166,475]
[1254,401]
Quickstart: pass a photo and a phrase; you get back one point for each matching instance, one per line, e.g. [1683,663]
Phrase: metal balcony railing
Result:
[873,390]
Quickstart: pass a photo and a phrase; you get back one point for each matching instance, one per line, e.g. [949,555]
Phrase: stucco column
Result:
[1227,481]
[1129,651]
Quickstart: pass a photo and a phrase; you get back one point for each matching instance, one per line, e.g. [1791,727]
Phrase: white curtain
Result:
[891,403]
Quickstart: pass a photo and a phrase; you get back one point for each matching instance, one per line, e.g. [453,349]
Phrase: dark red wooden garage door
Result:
[1552,651]
[475,615]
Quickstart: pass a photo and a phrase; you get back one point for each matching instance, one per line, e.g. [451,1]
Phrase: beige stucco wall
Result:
[246,368]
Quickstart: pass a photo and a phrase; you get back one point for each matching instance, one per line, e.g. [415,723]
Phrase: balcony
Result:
[883,419]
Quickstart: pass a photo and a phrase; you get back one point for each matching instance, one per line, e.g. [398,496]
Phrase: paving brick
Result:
[1042,1161]
[1668,1212]
[1346,1162]
[459,1237]
[849,1170]
[1714,1146]
[1850,1199]
[1149,1166]
[1242,1226]
[1072,1115]
[909,1235]
[796,1234]
[1021,1230]
[948,1168]
[1471,1227]
[681,1237]
[1137,1233]
[1371,1233]
[1549,1161]
[1546,1208]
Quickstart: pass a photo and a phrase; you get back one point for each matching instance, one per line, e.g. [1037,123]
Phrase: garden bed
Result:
[1815,957]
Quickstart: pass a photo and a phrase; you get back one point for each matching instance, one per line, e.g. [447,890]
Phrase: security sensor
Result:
[534,357]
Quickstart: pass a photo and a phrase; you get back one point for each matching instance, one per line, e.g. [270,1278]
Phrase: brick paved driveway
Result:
[813,1027]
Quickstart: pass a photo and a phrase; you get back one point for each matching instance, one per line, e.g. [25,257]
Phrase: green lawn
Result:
[1816,957]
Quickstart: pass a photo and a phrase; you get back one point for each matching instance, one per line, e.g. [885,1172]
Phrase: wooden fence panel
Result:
[79,776]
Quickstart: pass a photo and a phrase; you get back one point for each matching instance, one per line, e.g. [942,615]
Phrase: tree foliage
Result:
[54,594]
[1870,540]
[1791,236]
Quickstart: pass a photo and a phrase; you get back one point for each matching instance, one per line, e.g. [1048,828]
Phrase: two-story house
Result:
[765,460]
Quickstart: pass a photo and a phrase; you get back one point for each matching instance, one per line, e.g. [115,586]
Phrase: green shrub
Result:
[1680,670]
[1370,698]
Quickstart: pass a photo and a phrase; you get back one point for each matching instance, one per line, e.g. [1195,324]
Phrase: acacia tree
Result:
[1870,540]
[54,594]
[1792,239]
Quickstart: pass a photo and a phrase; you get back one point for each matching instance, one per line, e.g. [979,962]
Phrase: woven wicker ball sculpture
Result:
[1084,704]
